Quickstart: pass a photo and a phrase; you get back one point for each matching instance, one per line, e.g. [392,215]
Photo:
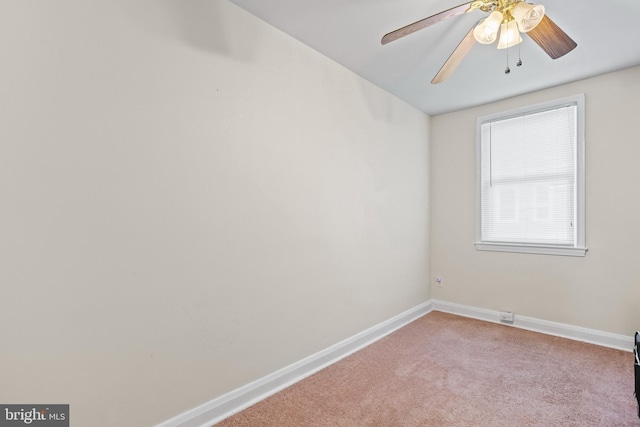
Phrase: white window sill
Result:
[531,249]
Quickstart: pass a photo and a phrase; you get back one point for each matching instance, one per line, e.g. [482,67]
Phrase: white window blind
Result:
[529,179]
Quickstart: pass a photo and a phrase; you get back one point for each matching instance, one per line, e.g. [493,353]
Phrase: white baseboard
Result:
[593,336]
[235,401]
[228,404]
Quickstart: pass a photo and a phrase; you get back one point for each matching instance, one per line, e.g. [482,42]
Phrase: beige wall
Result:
[600,291]
[190,200]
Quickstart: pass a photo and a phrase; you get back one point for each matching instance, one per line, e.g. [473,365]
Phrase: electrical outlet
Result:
[506,316]
[439,281]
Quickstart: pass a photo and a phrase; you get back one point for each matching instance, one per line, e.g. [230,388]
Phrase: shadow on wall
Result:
[212,26]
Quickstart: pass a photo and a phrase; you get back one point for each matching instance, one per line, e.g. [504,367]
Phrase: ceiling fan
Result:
[507,17]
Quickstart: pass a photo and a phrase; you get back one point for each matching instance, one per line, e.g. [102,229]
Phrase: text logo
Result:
[34,415]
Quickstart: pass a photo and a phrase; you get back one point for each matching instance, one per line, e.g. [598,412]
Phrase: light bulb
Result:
[528,16]
[486,32]
[509,35]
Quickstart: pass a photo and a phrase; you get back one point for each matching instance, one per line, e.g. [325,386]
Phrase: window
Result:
[530,184]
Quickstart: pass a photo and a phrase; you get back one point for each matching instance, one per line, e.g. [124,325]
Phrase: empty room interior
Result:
[205,201]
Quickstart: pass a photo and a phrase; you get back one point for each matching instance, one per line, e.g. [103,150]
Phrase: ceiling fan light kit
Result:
[528,16]
[508,17]
[509,35]
[486,32]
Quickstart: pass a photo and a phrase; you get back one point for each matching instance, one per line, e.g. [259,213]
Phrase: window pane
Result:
[528,178]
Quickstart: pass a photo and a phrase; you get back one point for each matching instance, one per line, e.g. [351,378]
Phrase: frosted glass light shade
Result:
[509,35]
[486,32]
[527,15]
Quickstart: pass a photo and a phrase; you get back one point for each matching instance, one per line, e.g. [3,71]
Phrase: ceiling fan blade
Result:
[423,23]
[456,57]
[552,39]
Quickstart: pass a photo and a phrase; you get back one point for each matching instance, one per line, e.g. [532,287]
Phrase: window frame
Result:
[580,248]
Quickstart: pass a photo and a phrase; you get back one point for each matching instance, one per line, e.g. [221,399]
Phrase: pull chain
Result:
[507,70]
[519,63]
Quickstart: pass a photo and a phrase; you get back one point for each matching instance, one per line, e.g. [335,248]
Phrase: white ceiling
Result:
[349,32]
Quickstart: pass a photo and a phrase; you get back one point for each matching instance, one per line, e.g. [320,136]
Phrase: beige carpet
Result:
[446,370]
